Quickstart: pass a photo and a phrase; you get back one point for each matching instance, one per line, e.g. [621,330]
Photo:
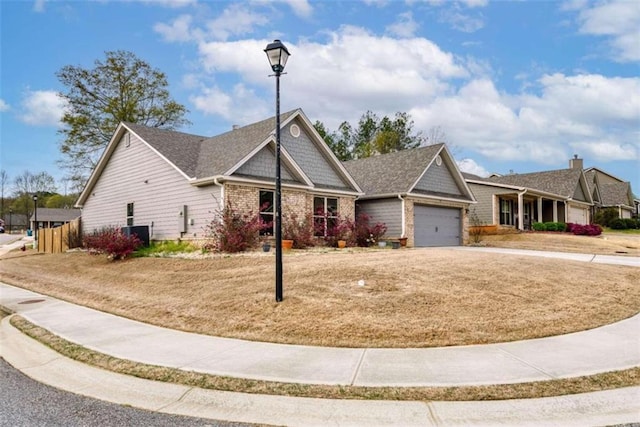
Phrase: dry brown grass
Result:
[618,244]
[603,381]
[412,298]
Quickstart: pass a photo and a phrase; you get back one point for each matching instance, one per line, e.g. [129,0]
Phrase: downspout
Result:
[216,182]
[404,231]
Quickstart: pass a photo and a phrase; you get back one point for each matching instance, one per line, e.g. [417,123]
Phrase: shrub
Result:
[365,234]
[631,223]
[584,230]
[618,224]
[605,217]
[232,231]
[112,242]
[338,229]
[300,231]
[165,247]
[538,226]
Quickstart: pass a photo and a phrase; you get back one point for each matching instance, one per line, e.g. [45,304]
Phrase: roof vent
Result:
[235,127]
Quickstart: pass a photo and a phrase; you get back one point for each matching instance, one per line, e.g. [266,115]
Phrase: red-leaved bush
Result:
[584,230]
[112,242]
[232,231]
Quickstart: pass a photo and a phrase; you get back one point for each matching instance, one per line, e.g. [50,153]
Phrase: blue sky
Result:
[519,86]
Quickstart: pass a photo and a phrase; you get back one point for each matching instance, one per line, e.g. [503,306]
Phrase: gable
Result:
[263,165]
[579,193]
[438,178]
[309,157]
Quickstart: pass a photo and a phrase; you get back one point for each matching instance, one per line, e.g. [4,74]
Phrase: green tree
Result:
[59,201]
[338,142]
[121,88]
[372,136]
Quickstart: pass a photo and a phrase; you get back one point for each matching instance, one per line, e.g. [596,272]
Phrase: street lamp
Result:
[278,55]
[10,215]
[35,217]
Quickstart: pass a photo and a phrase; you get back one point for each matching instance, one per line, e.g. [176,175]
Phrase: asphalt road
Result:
[25,402]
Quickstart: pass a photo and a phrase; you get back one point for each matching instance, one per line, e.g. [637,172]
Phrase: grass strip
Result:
[537,389]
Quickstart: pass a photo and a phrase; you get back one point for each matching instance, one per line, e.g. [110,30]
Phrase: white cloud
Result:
[178,31]
[173,4]
[38,5]
[606,150]
[464,22]
[235,20]
[4,106]
[301,8]
[241,106]
[405,26]
[619,20]
[42,108]
[470,166]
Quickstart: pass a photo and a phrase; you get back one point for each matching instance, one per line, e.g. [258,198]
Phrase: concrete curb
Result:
[46,366]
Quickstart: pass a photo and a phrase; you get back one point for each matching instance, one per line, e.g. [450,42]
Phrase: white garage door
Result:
[578,215]
[436,226]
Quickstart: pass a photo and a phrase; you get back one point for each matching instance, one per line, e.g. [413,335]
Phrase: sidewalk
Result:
[612,347]
[608,348]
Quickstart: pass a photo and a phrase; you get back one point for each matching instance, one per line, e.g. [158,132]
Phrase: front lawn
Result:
[410,297]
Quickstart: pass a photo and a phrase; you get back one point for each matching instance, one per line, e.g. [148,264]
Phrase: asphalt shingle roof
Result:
[57,214]
[200,156]
[562,182]
[614,194]
[392,173]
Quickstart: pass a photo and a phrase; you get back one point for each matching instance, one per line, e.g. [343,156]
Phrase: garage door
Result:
[436,226]
[577,215]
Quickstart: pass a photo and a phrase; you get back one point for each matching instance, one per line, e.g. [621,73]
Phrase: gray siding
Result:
[159,200]
[310,158]
[438,179]
[579,193]
[388,211]
[484,196]
[263,164]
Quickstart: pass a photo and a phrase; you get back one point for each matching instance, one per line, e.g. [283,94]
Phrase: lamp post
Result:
[278,55]
[35,218]
[10,215]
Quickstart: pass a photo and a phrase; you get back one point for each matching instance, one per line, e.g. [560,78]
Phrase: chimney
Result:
[576,163]
[235,127]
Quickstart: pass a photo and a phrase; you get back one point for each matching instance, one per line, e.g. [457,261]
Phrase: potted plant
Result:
[266,246]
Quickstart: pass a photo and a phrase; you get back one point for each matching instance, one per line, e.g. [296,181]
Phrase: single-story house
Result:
[418,193]
[175,182]
[609,191]
[518,200]
[53,217]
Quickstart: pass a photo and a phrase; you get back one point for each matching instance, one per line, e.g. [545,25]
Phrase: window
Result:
[267,212]
[129,214]
[506,207]
[325,214]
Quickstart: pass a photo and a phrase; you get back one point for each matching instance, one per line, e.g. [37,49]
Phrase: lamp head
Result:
[278,55]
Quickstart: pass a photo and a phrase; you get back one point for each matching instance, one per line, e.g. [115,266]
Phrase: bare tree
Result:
[4,180]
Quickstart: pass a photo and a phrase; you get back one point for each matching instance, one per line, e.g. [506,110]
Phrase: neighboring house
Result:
[611,192]
[518,200]
[174,182]
[53,217]
[419,194]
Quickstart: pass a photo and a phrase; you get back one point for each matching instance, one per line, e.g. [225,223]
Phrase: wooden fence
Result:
[60,239]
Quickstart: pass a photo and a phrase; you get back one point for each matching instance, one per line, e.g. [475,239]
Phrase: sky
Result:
[518,86]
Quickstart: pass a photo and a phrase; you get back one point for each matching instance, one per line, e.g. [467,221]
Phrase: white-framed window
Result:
[325,214]
[130,214]
[506,209]
[266,208]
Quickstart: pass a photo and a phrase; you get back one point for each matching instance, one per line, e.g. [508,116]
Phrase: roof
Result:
[392,173]
[201,157]
[57,214]
[562,182]
[615,194]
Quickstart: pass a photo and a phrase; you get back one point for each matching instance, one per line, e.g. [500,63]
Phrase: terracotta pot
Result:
[287,244]
[403,241]
[342,244]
